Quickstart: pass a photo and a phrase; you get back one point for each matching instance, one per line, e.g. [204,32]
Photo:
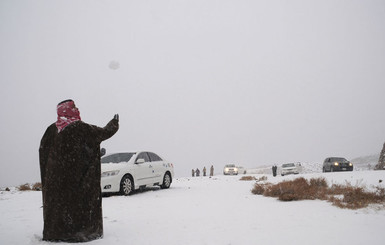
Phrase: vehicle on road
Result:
[128,171]
[289,168]
[230,169]
[332,164]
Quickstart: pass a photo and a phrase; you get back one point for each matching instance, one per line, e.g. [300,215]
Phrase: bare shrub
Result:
[319,187]
[343,196]
[319,182]
[248,178]
[337,189]
[357,197]
[259,188]
[297,189]
[37,186]
[263,178]
[25,187]
[380,191]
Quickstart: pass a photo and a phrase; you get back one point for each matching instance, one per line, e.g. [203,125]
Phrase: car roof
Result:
[336,158]
[117,152]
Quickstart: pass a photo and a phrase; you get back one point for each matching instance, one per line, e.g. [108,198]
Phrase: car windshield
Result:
[230,166]
[340,159]
[117,158]
[287,165]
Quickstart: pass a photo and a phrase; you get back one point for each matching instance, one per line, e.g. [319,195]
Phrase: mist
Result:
[198,82]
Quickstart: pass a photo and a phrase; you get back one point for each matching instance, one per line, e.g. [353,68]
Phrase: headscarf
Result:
[67,113]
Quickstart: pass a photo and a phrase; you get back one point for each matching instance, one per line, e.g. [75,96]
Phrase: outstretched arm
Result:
[108,131]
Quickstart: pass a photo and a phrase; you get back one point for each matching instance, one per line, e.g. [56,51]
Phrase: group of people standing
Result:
[197,171]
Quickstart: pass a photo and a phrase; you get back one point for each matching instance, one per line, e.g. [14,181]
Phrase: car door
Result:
[158,166]
[330,164]
[326,165]
[145,169]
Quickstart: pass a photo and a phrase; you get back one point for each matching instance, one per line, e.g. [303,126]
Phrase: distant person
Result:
[70,175]
[274,168]
[212,171]
[193,173]
[197,172]
[204,171]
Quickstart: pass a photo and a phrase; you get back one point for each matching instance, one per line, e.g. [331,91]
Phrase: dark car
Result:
[332,164]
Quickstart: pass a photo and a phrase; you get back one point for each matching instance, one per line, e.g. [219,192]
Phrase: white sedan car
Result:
[124,172]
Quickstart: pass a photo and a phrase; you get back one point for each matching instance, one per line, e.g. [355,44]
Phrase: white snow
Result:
[217,210]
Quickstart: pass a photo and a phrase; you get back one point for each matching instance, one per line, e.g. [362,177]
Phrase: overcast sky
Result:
[199,82]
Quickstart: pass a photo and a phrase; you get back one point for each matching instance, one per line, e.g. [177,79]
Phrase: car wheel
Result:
[166,181]
[126,185]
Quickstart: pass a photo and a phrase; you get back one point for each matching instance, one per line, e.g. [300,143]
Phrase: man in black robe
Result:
[70,174]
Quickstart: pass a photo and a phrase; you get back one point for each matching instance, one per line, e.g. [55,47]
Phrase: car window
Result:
[288,165]
[339,159]
[154,157]
[117,158]
[143,155]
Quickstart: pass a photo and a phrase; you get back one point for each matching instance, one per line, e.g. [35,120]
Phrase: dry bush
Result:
[357,197]
[248,178]
[380,192]
[289,190]
[319,187]
[343,196]
[272,190]
[297,189]
[37,186]
[263,178]
[337,189]
[319,182]
[259,189]
[25,187]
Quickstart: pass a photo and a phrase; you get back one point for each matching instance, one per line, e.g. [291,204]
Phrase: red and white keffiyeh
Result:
[67,113]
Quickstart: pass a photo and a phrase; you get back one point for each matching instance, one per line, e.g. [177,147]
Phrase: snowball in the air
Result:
[114,65]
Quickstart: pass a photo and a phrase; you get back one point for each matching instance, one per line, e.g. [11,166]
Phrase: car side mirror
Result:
[140,161]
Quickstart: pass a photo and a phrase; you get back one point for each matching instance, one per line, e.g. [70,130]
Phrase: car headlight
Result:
[350,164]
[336,164]
[110,173]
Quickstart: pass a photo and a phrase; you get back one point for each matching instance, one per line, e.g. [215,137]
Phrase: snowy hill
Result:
[366,162]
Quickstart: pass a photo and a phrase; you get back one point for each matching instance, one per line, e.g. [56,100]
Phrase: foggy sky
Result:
[200,82]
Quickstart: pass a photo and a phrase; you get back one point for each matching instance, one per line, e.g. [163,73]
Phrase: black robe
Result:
[70,176]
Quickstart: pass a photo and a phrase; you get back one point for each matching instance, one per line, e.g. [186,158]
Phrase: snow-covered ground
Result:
[218,210]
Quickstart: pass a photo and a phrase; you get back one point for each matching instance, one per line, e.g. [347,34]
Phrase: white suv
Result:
[230,169]
[289,168]
[128,171]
